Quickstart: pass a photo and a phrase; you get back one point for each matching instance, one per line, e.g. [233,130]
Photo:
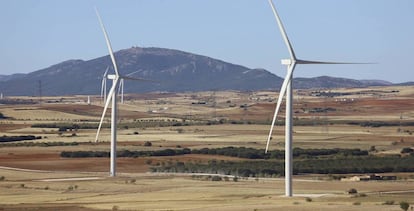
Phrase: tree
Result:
[404,205]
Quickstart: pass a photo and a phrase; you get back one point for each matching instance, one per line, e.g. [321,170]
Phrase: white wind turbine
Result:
[287,89]
[121,86]
[103,84]
[112,96]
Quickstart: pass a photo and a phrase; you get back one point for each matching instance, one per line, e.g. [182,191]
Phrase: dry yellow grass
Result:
[158,192]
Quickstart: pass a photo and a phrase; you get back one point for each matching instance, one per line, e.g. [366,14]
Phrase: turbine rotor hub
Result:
[111,76]
[287,61]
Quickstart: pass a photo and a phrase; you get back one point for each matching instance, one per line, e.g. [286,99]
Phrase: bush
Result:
[407,150]
[2,178]
[404,205]
[389,202]
[147,144]
[352,191]
[216,178]
[308,199]
[362,195]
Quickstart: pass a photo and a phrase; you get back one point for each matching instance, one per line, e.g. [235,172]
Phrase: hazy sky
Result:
[36,34]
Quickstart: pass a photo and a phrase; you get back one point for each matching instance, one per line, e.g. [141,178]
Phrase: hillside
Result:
[176,71]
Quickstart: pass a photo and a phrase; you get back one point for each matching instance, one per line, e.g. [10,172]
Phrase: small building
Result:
[368,178]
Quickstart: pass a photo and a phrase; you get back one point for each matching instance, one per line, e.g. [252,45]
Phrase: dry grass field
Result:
[37,178]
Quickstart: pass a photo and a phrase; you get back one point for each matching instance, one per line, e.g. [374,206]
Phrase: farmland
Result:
[379,120]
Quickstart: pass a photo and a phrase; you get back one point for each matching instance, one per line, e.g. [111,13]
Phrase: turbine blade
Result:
[108,100]
[121,85]
[279,101]
[108,43]
[129,74]
[102,86]
[106,72]
[323,62]
[282,31]
[138,79]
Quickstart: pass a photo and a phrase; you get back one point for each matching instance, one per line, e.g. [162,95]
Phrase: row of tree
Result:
[18,138]
[38,144]
[266,168]
[240,152]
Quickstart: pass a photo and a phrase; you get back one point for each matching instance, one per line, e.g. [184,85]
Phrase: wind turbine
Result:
[287,89]
[112,96]
[103,84]
[121,86]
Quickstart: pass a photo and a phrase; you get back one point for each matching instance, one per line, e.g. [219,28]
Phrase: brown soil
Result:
[53,162]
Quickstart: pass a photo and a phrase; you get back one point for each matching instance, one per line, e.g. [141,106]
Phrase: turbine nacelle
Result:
[287,61]
[112,76]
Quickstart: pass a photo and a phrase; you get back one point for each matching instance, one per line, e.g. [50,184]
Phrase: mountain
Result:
[174,70]
[11,77]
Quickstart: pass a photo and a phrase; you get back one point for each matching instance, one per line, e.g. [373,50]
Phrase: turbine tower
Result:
[112,96]
[121,90]
[287,89]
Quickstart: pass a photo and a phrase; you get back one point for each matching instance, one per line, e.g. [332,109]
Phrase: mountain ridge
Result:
[176,71]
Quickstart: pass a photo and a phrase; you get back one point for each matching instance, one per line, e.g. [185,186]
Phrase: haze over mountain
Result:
[176,71]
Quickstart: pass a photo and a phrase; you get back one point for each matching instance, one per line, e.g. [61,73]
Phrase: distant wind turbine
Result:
[121,86]
[287,89]
[103,84]
[112,96]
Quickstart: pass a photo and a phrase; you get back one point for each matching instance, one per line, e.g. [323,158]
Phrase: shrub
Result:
[352,191]
[216,178]
[407,150]
[148,162]
[308,199]
[362,195]
[2,178]
[357,203]
[404,205]
[147,144]
[391,202]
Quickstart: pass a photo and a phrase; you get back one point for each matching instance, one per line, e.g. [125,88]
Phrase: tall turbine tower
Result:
[121,90]
[287,89]
[112,96]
